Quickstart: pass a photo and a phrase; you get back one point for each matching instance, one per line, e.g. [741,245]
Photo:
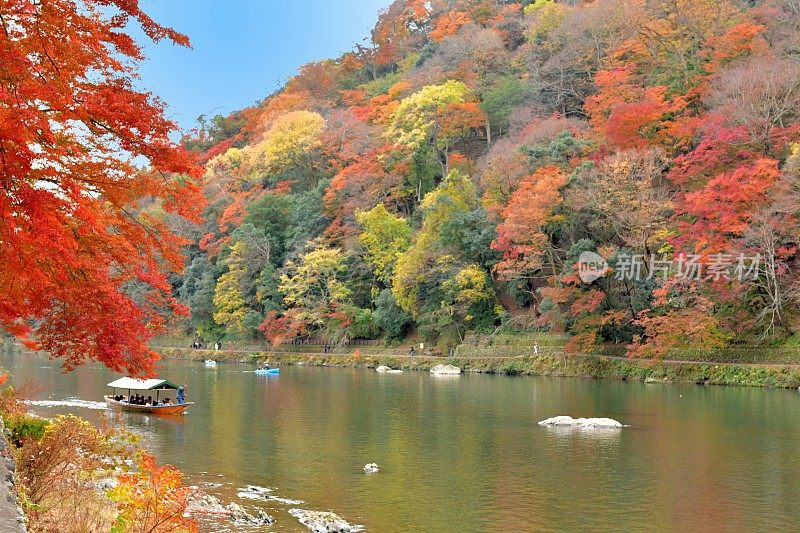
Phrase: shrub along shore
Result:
[544,364]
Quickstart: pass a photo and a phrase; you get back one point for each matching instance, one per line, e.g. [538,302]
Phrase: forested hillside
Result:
[447,176]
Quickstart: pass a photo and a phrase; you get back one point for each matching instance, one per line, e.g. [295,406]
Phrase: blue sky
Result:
[245,49]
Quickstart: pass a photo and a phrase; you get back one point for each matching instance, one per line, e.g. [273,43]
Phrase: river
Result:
[465,453]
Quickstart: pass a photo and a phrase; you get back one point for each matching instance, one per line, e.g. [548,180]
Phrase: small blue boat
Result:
[268,371]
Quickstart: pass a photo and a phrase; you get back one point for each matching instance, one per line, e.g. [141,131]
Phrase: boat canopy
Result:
[142,384]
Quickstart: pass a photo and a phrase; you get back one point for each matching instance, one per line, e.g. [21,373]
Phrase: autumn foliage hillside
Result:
[474,149]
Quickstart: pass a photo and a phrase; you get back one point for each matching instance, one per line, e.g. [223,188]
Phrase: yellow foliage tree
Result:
[455,194]
[385,237]
[314,286]
[431,119]
[229,304]
[291,144]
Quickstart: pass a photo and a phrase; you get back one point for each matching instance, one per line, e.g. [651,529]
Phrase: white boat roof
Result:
[142,384]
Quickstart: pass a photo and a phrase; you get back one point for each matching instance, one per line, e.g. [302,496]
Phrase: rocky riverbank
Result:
[546,364]
[12,519]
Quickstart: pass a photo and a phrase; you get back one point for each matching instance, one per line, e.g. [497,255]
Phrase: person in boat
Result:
[264,365]
[167,401]
[182,394]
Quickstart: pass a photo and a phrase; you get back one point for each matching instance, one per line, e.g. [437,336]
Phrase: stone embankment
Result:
[12,519]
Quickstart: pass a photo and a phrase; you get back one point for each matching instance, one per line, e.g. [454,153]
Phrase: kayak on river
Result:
[264,368]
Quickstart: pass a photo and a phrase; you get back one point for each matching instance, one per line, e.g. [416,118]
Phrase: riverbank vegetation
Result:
[447,177]
[73,477]
[553,363]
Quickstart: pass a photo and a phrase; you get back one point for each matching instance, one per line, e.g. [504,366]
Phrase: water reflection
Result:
[465,452]
[566,434]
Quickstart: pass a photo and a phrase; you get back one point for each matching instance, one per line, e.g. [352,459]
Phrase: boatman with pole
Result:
[181,399]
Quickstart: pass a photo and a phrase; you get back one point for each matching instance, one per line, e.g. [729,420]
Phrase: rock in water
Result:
[370,468]
[382,368]
[202,503]
[445,370]
[582,422]
[241,517]
[323,522]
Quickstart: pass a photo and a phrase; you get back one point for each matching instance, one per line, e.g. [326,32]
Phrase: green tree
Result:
[500,99]
[389,317]
[197,291]
[270,214]
[307,220]
[470,235]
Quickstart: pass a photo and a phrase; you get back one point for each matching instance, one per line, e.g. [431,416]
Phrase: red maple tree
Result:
[85,245]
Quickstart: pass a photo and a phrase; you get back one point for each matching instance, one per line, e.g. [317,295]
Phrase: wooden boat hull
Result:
[174,409]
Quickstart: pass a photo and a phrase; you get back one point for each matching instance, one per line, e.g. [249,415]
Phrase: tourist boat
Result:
[161,388]
[210,363]
[268,371]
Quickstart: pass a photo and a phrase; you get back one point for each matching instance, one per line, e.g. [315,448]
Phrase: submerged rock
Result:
[568,421]
[370,468]
[254,492]
[445,370]
[324,522]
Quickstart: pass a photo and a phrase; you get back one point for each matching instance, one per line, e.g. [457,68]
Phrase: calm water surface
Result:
[465,453]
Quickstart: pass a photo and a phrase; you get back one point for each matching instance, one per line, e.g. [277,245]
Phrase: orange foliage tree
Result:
[710,218]
[85,263]
[520,237]
[152,500]
[681,318]
[628,114]
[448,24]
